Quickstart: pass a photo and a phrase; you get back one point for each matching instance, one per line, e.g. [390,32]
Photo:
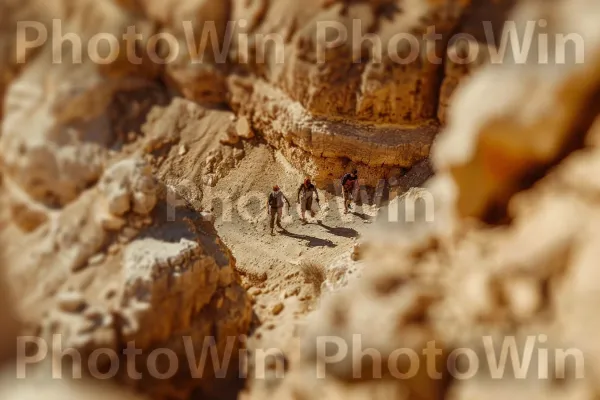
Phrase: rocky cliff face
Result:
[347,86]
[374,98]
[326,104]
[508,258]
[111,256]
[120,264]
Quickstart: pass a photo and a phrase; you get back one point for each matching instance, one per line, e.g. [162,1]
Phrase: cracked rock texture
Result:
[326,106]
[103,275]
[511,256]
[329,106]
[110,258]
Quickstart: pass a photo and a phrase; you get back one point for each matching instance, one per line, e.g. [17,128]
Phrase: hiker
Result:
[349,183]
[305,198]
[275,206]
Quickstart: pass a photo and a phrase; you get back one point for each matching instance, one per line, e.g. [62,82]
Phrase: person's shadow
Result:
[312,241]
[339,231]
[362,216]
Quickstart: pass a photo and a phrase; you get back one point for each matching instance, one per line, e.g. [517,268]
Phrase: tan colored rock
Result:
[319,145]
[452,281]
[200,130]
[14,55]
[97,259]
[69,110]
[202,294]
[243,128]
[208,296]
[322,106]
[197,71]
[109,221]
[229,138]
[471,48]
[340,87]
[26,212]
[128,185]
[514,139]
[59,389]
[71,302]
[204,83]
[9,319]
[277,309]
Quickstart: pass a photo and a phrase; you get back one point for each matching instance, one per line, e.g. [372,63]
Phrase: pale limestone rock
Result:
[151,291]
[71,302]
[200,130]
[277,309]
[127,185]
[197,72]
[229,138]
[495,152]
[321,107]
[298,134]
[13,55]
[97,259]
[340,87]
[523,296]
[59,389]
[243,129]
[27,213]
[538,273]
[68,109]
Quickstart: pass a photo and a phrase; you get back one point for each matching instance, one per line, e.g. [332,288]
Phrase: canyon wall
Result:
[97,250]
[373,99]
[509,257]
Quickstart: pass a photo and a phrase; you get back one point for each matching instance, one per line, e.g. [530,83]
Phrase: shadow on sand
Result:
[312,241]
[362,216]
[339,231]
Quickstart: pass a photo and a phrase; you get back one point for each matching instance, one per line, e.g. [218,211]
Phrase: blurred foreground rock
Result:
[97,252]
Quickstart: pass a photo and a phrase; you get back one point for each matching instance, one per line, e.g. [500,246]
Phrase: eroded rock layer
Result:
[112,257]
[507,261]
[374,97]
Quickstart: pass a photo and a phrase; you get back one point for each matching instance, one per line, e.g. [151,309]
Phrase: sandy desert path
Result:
[271,265]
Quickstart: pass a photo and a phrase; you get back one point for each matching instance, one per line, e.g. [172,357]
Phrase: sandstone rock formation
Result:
[325,105]
[73,109]
[310,74]
[158,282]
[323,93]
[55,389]
[110,259]
[322,106]
[509,258]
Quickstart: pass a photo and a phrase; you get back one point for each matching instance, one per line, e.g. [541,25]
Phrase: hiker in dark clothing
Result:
[275,207]
[349,184]
[305,198]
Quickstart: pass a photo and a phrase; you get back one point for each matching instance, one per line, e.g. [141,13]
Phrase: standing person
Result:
[275,207]
[349,183]
[305,198]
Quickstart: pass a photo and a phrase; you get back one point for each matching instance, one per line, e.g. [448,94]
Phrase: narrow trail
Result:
[239,204]
[245,227]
